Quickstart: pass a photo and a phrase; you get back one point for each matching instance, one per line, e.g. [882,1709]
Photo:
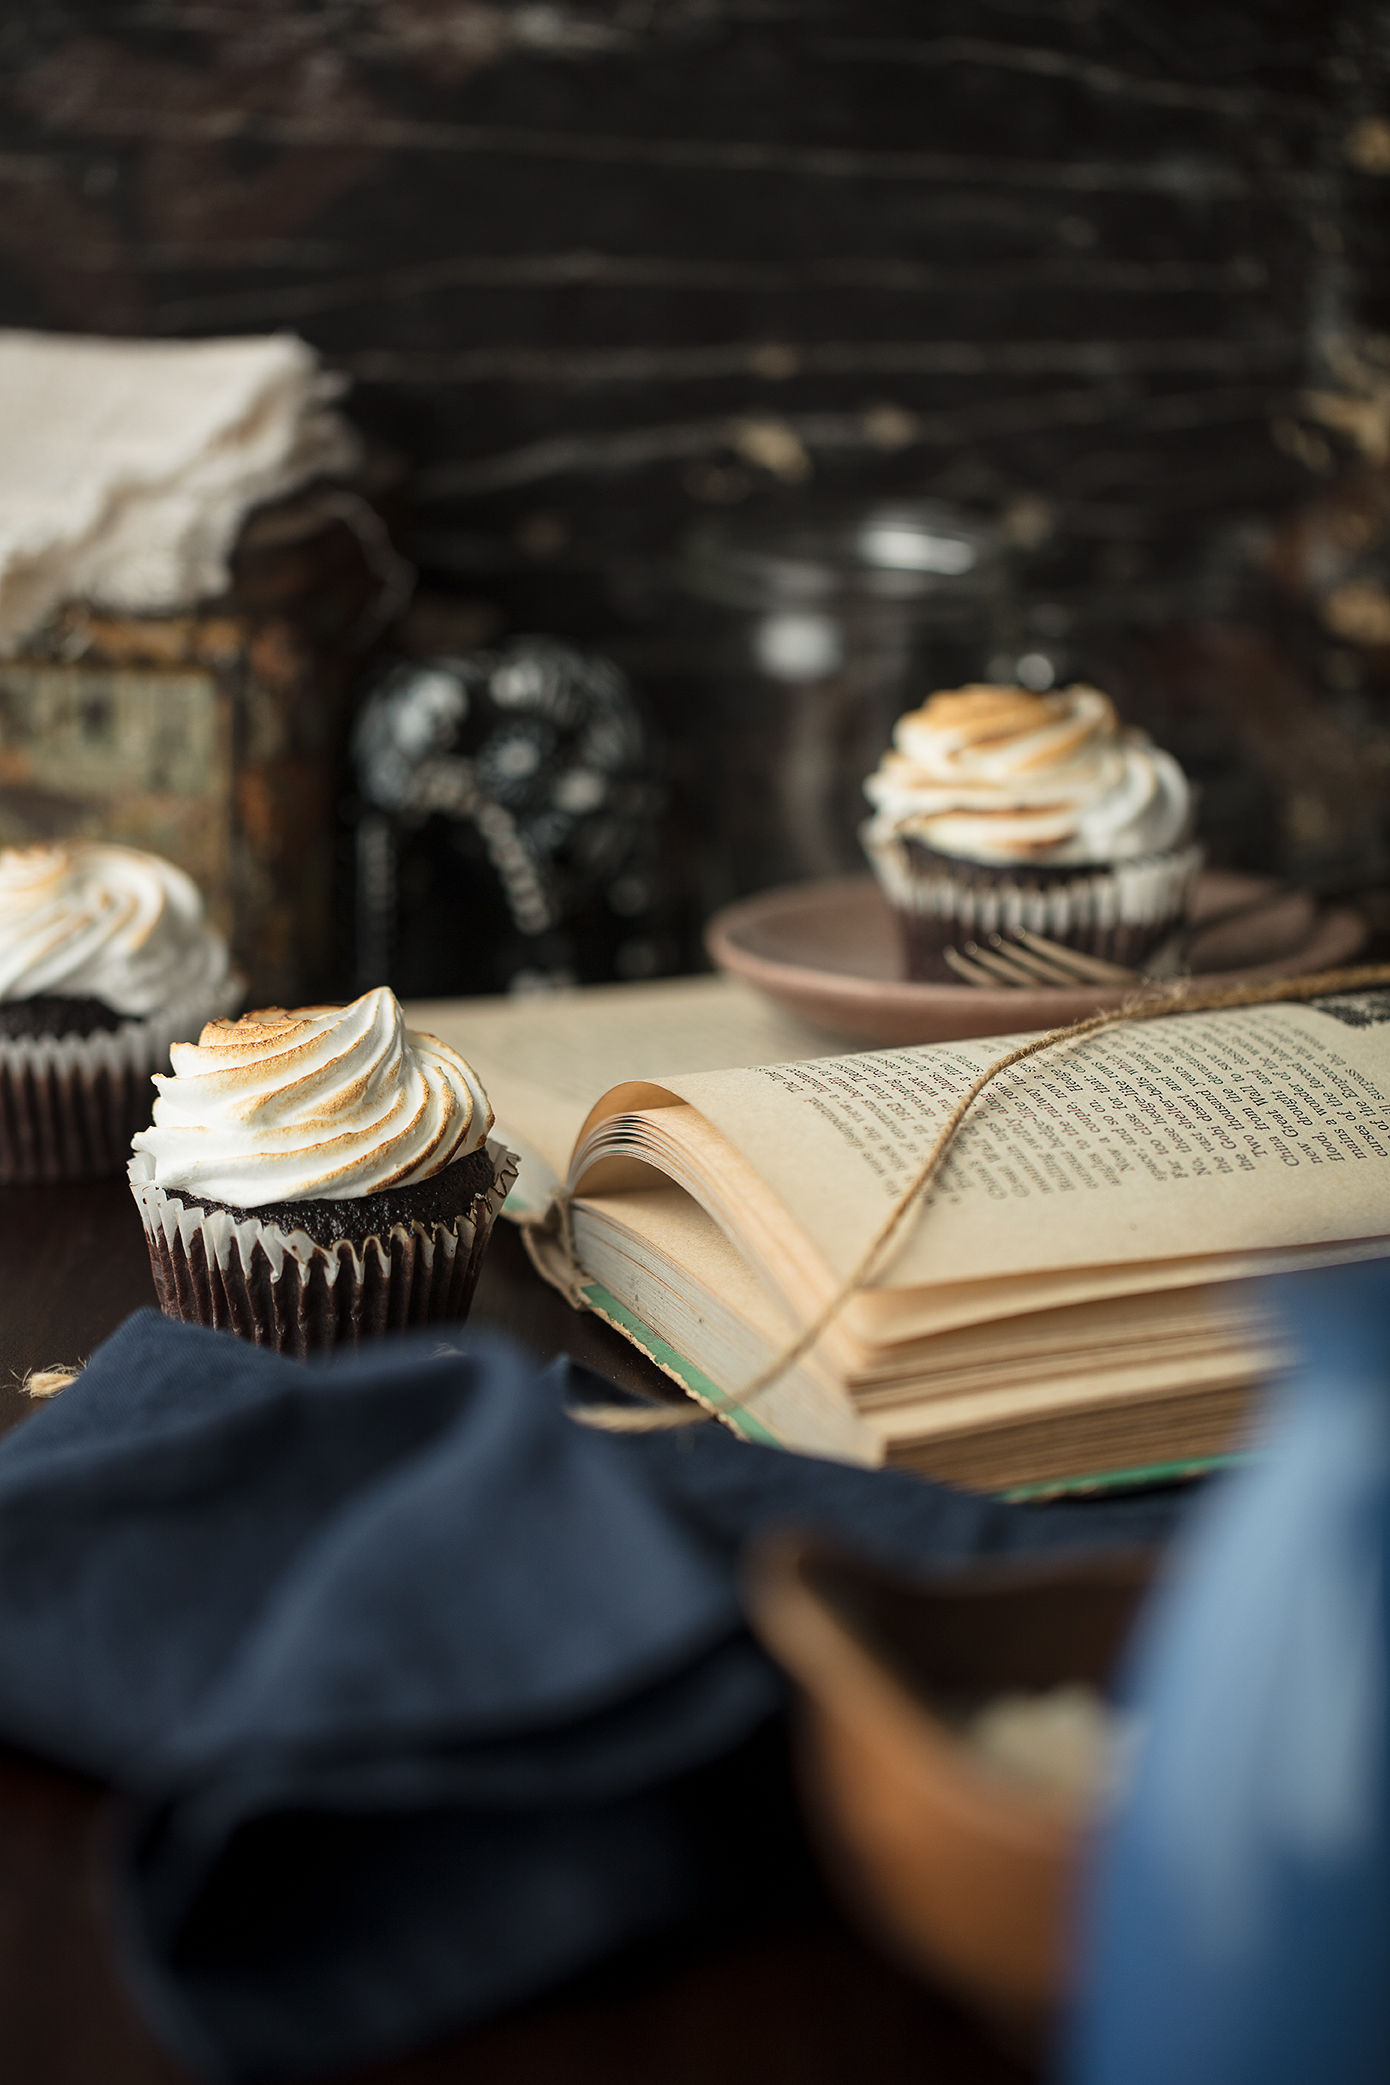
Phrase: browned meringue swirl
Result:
[89,919]
[998,774]
[322,1104]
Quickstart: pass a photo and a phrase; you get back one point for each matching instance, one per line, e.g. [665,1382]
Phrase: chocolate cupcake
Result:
[315,1177]
[998,809]
[105,961]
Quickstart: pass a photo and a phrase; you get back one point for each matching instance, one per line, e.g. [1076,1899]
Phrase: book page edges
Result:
[815,1416]
[679,1144]
[674,1272]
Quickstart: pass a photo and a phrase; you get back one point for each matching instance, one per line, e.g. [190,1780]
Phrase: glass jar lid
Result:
[905,551]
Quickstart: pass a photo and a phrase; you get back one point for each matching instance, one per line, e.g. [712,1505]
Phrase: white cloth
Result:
[127,466]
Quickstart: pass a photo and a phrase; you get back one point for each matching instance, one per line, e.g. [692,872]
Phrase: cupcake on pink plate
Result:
[998,809]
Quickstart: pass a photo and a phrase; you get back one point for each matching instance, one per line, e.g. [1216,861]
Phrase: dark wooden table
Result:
[795,1999]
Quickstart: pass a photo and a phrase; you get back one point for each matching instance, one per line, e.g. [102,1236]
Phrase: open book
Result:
[1071,1301]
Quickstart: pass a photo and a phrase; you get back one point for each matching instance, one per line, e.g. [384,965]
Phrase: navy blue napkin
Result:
[406,1680]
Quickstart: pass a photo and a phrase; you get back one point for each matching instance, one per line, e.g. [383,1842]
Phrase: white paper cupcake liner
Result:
[282,1290]
[70,1104]
[1118,912]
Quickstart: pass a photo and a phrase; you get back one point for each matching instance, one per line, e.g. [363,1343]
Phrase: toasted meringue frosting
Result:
[1000,775]
[91,921]
[322,1104]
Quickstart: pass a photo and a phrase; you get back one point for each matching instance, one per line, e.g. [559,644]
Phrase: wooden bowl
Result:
[966,1873]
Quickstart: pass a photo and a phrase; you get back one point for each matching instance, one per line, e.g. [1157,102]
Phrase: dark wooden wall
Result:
[597,267]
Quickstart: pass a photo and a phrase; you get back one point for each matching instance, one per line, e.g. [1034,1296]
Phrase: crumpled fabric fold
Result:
[128,466]
[411,1688]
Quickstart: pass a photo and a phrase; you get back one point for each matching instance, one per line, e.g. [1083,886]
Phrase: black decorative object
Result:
[505,828]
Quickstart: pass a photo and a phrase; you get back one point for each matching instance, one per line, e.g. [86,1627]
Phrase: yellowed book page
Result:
[884,1318]
[682,1146]
[1239,1131]
[1135,1384]
[1142,1348]
[544,1060]
[1039,1338]
[666,1227]
[665,1259]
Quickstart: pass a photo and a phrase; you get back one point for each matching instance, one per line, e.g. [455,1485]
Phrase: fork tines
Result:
[1024,961]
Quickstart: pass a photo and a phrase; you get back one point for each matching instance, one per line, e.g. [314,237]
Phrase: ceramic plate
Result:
[829,952]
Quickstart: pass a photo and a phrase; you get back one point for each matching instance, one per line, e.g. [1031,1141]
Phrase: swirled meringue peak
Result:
[998,775]
[323,1104]
[86,920]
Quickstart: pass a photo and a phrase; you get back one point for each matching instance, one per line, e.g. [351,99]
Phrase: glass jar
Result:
[811,632]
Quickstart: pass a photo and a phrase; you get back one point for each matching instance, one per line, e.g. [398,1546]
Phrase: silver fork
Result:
[1026,961]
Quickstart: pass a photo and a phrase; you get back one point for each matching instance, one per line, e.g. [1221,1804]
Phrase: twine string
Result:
[1178,1000]
[47,1382]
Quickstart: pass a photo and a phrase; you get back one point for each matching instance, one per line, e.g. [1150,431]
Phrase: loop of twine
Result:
[1177,1000]
[47,1382]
